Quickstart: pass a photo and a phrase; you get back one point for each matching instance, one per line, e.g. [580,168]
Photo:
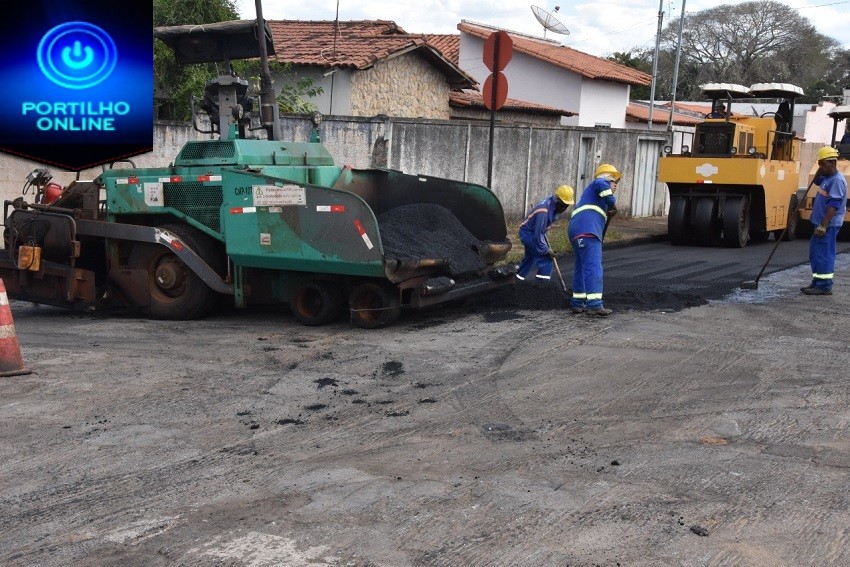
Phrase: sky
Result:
[597,27]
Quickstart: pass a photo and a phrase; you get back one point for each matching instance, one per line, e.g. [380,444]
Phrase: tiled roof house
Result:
[548,73]
[368,68]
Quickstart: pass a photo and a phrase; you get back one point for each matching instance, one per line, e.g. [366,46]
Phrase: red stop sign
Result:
[498,50]
[497,88]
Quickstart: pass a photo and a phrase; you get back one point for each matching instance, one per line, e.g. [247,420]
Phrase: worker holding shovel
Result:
[532,233]
[827,216]
[586,231]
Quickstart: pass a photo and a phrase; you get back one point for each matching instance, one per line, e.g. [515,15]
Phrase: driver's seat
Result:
[783,119]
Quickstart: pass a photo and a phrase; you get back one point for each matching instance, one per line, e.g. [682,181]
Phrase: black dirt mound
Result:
[426,231]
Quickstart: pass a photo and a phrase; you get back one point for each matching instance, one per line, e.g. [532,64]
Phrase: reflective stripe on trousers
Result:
[587,273]
[822,258]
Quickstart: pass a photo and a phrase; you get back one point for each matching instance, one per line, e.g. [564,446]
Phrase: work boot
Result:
[816,291]
[599,312]
[803,289]
[577,310]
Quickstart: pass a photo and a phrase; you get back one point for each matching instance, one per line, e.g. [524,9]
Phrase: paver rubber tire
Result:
[373,305]
[175,291]
[316,303]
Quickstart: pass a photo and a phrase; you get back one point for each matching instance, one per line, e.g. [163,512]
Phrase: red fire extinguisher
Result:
[52,191]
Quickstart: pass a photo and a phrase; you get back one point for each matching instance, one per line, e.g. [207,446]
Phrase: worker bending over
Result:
[585,231]
[828,211]
[532,233]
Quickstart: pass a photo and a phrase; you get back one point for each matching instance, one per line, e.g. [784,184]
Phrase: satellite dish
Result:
[549,21]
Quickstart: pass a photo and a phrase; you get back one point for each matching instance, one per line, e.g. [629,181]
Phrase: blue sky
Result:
[598,28]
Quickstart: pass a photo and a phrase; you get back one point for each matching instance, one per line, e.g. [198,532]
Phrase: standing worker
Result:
[532,233]
[827,216]
[587,223]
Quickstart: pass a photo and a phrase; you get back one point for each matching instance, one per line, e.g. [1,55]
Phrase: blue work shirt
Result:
[591,211]
[832,192]
[532,232]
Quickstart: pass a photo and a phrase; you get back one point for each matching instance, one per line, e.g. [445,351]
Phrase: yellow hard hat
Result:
[566,194]
[827,152]
[608,171]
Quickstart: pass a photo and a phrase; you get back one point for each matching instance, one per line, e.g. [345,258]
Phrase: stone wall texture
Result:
[404,86]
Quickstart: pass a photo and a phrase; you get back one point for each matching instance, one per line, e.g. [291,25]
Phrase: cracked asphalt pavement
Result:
[488,434]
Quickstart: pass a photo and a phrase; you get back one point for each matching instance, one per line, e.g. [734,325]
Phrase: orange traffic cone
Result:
[11,363]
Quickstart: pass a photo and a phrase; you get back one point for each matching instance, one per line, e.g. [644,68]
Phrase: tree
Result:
[175,84]
[635,59]
[747,43]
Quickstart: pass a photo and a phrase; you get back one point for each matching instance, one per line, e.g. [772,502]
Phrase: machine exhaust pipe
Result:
[269,113]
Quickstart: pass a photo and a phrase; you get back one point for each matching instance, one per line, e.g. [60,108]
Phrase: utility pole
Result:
[655,63]
[676,72]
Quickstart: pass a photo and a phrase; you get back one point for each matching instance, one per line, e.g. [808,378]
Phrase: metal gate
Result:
[644,180]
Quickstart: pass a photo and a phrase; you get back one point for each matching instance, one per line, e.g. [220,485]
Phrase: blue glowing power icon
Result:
[77,55]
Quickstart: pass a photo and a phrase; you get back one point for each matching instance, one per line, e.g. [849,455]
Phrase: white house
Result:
[545,72]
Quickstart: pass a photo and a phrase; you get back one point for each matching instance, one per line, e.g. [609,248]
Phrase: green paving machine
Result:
[264,221]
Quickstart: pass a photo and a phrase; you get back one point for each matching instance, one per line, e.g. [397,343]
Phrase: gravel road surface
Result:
[485,435]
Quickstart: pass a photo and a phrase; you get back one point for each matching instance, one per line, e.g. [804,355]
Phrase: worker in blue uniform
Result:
[828,211]
[532,233]
[595,206]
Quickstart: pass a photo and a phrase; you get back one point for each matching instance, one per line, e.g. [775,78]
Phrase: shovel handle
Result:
[781,236]
[557,269]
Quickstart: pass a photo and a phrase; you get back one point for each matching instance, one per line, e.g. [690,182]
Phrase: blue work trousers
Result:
[587,273]
[822,258]
[531,258]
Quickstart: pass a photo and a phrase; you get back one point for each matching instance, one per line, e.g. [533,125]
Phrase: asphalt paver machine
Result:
[259,220]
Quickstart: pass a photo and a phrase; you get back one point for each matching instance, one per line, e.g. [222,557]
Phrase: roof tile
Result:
[357,44]
[660,115]
[448,44]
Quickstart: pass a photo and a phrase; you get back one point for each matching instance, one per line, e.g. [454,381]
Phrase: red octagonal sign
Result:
[498,50]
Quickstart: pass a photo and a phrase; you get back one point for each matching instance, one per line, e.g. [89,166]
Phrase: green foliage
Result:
[634,59]
[183,12]
[292,93]
[292,89]
[175,84]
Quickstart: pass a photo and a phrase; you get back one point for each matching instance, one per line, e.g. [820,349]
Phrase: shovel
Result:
[563,286]
[754,284]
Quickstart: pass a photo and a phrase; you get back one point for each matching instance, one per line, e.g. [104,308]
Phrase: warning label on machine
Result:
[274,195]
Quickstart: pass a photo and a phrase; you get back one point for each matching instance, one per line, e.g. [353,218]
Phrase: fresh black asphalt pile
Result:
[542,296]
[426,231]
